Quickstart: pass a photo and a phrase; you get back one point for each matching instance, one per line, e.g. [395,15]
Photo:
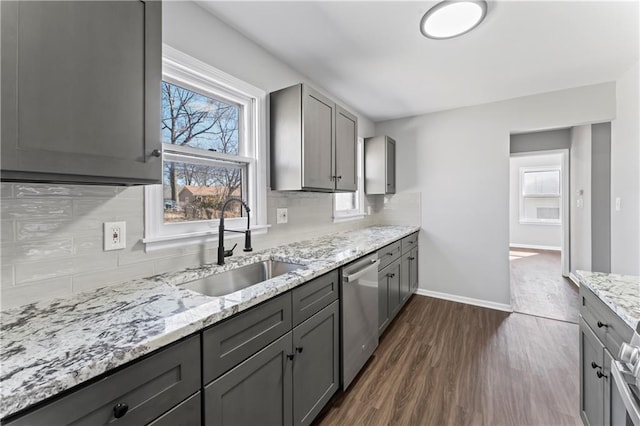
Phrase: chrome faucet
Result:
[222,253]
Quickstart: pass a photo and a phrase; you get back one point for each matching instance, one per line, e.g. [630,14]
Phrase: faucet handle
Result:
[228,253]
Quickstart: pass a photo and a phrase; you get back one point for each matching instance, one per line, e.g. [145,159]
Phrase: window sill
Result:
[531,222]
[348,218]
[181,240]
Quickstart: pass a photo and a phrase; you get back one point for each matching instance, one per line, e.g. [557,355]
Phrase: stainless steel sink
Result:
[240,278]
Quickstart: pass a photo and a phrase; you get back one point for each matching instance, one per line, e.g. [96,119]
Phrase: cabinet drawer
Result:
[389,254]
[409,242]
[312,297]
[185,414]
[149,388]
[228,344]
[609,328]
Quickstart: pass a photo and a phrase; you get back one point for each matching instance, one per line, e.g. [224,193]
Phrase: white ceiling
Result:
[371,54]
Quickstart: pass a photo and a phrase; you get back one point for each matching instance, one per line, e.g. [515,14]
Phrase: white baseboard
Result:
[466,300]
[574,279]
[535,247]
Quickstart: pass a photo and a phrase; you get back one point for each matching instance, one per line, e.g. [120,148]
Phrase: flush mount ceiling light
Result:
[452,18]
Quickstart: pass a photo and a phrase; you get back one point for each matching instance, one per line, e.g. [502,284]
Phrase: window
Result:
[540,195]
[213,148]
[351,205]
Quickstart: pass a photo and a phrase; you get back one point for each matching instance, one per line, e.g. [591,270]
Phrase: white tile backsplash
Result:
[52,235]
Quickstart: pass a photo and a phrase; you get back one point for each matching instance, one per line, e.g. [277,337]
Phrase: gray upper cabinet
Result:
[81,91]
[346,150]
[380,165]
[313,142]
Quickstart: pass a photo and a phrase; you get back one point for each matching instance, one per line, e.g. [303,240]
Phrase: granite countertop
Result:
[50,346]
[620,292]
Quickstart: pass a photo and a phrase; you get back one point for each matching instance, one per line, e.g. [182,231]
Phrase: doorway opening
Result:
[539,235]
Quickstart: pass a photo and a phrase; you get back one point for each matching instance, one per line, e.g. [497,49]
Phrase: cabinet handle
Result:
[412,258]
[391,275]
[390,253]
[600,374]
[291,357]
[600,324]
[156,153]
[299,349]
[120,409]
[594,365]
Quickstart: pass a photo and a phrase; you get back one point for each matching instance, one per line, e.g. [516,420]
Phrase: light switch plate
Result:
[282,215]
[115,234]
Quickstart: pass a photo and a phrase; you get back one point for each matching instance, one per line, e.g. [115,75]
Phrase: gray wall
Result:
[460,162]
[601,197]
[540,141]
[625,175]
[580,197]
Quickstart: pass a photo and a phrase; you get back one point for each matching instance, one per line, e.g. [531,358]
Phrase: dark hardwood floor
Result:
[446,363]
[538,287]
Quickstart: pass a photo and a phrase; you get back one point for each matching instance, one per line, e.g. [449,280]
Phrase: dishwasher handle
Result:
[625,392]
[361,272]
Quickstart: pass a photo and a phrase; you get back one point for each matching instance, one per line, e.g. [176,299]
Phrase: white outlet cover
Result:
[282,215]
[115,235]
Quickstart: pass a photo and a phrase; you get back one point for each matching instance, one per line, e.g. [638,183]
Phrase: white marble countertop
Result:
[620,292]
[50,346]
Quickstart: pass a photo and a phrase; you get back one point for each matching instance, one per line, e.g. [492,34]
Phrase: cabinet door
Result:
[395,292]
[318,132]
[591,386]
[383,300]
[413,270]
[81,91]
[187,413]
[256,392]
[391,166]
[405,277]
[346,150]
[316,373]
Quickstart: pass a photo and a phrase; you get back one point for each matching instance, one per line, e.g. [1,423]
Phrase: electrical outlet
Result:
[282,215]
[115,234]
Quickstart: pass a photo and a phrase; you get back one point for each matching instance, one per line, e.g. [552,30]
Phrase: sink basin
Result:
[240,278]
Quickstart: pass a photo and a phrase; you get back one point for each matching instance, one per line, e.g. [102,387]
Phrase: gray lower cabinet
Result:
[257,391]
[409,274]
[81,91]
[135,395]
[389,299]
[187,413]
[601,335]
[316,369]
[262,368]
[591,383]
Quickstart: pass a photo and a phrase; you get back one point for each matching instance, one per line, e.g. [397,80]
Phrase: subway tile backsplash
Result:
[52,235]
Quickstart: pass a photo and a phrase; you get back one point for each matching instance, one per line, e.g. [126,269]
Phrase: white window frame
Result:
[529,221]
[359,213]
[190,73]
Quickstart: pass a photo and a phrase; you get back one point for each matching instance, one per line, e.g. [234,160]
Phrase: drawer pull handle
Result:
[299,349]
[291,356]
[594,365]
[391,275]
[120,409]
[389,253]
[412,258]
[600,324]
[600,374]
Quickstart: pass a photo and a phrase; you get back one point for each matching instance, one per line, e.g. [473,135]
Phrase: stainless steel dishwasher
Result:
[359,285]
